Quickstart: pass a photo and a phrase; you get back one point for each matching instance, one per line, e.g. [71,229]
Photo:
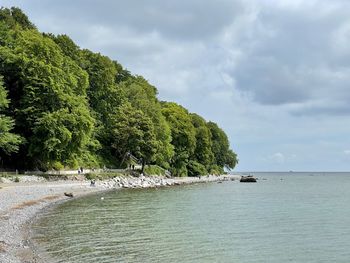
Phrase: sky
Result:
[273,74]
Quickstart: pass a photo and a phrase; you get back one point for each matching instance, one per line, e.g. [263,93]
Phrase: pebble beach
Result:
[20,202]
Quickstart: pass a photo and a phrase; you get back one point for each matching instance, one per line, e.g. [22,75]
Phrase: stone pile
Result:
[137,182]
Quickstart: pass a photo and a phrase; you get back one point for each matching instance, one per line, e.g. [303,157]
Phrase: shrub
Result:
[154,170]
[215,169]
[196,169]
[57,166]
[90,176]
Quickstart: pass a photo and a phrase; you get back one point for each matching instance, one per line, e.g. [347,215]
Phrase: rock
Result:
[3,247]
[69,194]
[248,179]
[4,180]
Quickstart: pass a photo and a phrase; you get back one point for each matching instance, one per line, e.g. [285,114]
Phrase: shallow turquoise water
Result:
[291,217]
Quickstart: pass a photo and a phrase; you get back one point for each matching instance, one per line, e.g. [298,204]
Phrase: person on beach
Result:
[93,183]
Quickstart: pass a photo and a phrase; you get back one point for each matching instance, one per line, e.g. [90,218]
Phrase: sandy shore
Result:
[20,202]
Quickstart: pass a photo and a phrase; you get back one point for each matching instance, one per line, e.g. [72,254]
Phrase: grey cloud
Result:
[172,19]
[271,82]
[291,55]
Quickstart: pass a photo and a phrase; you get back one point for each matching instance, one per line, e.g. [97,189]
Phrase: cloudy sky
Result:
[274,74]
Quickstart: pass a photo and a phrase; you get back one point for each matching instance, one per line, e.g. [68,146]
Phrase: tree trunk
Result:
[143,166]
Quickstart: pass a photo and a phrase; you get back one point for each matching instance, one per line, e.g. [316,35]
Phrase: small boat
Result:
[248,179]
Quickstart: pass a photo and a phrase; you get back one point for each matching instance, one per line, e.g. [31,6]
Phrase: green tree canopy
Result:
[45,86]
[14,17]
[223,156]
[9,141]
[203,153]
[183,136]
[143,96]
[133,132]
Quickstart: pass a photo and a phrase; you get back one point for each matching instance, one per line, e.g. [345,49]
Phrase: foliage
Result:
[203,153]
[155,170]
[15,17]
[133,133]
[143,96]
[196,169]
[215,169]
[104,96]
[102,175]
[68,47]
[223,156]
[57,166]
[48,91]
[231,159]
[9,142]
[183,136]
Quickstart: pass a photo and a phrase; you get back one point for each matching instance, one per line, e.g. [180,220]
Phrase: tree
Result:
[68,47]
[9,142]
[133,132]
[223,156]
[203,153]
[143,96]
[105,96]
[183,136]
[196,169]
[45,86]
[15,17]
[231,159]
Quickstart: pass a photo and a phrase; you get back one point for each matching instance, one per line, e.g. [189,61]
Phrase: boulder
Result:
[5,180]
[69,195]
[248,179]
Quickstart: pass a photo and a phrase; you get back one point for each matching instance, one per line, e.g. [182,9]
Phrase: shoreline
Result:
[20,203]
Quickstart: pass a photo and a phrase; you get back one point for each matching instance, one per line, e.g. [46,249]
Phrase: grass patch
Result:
[155,170]
[7,174]
[102,176]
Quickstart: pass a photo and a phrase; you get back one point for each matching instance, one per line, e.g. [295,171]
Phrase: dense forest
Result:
[65,107]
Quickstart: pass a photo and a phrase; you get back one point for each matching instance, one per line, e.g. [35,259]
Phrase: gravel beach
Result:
[20,202]
[18,205]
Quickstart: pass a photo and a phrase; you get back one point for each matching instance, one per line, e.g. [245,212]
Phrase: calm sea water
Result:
[285,217]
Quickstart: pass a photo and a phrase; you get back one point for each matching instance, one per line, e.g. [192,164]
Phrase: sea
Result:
[284,217]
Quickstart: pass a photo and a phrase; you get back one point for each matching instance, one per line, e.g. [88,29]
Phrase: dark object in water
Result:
[248,179]
[68,194]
